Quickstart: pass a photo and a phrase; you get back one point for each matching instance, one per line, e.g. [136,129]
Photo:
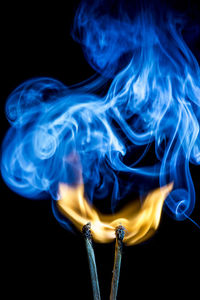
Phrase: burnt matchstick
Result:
[91,259]
[120,232]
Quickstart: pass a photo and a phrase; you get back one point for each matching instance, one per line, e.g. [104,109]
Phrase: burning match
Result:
[140,221]
[91,259]
[120,232]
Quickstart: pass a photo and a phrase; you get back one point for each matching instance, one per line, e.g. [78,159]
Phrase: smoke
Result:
[152,104]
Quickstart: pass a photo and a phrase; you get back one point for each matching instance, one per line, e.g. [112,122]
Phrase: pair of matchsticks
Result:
[120,231]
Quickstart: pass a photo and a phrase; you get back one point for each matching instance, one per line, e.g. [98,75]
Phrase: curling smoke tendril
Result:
[154,99]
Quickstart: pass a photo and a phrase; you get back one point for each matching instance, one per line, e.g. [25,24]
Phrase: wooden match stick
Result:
[120,232]
[91,258]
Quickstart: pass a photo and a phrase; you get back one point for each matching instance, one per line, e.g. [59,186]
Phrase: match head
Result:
[86,230]
[120,232]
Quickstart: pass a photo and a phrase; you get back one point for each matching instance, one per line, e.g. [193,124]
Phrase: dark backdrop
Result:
[40,258]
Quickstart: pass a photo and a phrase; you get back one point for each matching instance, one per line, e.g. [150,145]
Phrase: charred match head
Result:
[86,230]
[120,232]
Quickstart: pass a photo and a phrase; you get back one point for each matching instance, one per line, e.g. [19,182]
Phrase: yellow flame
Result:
[139,220]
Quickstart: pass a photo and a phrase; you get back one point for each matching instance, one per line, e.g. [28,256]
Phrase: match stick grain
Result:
[92,262]
[117,262]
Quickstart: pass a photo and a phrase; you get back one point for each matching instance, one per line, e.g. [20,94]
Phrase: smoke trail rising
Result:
[153,101]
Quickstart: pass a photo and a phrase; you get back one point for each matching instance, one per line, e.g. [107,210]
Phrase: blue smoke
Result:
[151,105]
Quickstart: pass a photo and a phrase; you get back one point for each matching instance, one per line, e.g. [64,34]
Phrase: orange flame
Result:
[140,220]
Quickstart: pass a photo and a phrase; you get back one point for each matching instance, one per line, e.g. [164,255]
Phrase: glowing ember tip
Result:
[140,219]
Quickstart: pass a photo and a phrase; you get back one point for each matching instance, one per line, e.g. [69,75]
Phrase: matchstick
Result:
[120,232]
[92,263]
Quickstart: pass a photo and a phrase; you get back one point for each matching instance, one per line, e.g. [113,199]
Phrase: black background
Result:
[41,258]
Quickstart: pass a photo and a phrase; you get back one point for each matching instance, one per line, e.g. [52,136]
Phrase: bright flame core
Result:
[140,220]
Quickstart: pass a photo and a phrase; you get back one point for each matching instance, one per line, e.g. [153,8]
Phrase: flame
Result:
[140,220]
